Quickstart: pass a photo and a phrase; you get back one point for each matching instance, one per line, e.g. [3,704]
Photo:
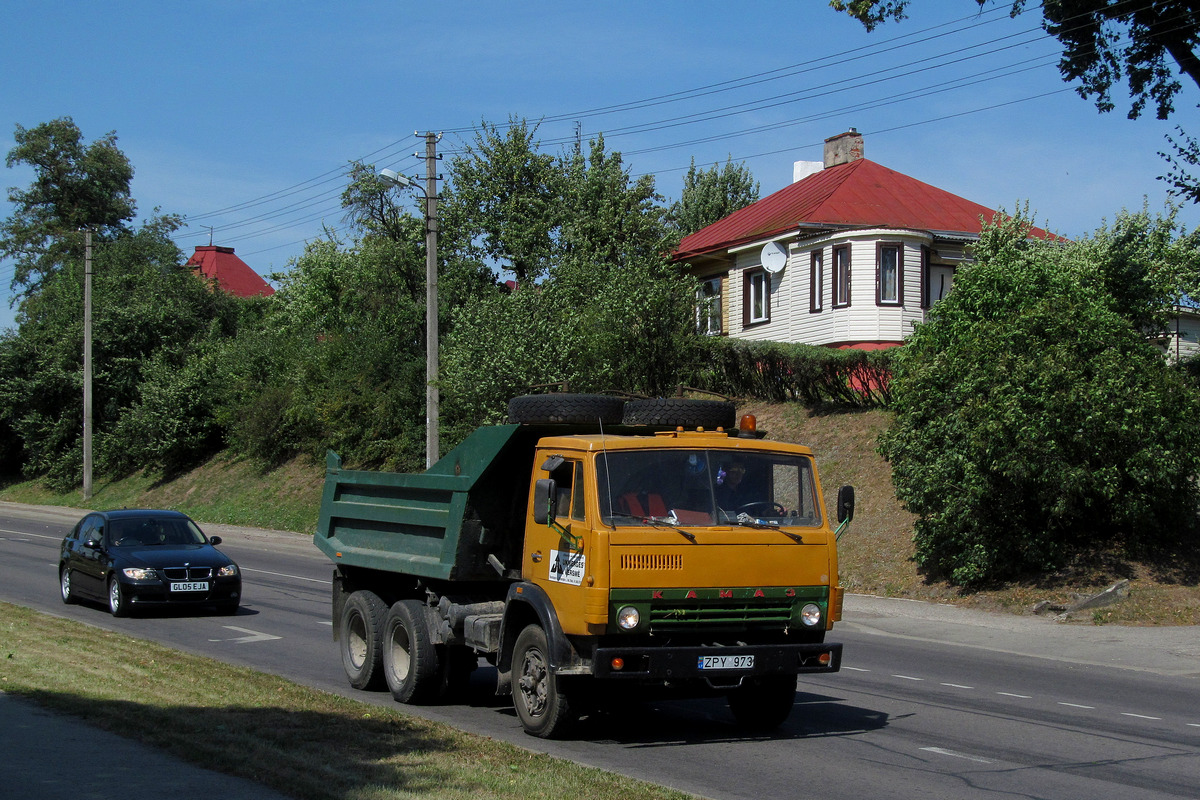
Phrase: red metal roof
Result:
[230,273]
[860,194]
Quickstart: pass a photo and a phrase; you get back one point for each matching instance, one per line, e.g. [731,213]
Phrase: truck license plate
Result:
[192,586]
[726,662]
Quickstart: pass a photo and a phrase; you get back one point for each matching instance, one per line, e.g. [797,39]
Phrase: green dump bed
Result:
[443,523]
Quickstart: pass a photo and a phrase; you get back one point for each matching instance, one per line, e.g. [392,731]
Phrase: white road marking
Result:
[36,535]
[907,678]
[943,752]
[286,575]
[1076,705]
[1193,724]
[957,686]
[1139,716]
[252,636]
[856,669]
[1022,696]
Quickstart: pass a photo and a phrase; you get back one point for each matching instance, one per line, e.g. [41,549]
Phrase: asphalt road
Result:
[932,702]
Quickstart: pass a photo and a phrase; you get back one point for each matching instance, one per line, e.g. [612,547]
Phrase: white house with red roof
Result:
[849,255]
[227,272]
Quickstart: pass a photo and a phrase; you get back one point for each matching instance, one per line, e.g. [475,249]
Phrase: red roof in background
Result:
[230,273]
[860,194]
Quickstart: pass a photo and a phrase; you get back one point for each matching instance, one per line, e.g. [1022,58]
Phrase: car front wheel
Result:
[118,603]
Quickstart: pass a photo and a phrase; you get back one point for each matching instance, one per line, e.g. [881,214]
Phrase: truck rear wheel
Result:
[763,703]
[543,709]
[360,637]
[410,658]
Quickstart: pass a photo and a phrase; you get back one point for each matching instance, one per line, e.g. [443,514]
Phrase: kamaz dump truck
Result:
[592,548]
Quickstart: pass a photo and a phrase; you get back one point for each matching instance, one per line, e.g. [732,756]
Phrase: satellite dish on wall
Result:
[773,257]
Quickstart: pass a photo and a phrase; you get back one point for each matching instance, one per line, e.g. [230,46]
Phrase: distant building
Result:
[228,272]
[849,255]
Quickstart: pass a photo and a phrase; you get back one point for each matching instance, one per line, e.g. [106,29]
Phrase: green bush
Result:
[804,373]
[1034,420]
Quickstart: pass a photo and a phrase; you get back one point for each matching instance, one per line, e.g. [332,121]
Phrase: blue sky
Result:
[243,115]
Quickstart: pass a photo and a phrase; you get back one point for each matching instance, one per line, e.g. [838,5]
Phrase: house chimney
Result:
[843,148]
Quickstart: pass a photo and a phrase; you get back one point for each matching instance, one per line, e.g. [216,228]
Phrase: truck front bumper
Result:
[680,663]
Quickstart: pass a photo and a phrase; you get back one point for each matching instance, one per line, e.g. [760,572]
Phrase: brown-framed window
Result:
[816,281]
[756,298]
[841,276]
[889,274]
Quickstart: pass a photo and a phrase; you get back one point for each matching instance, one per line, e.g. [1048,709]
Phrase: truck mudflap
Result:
[716,664]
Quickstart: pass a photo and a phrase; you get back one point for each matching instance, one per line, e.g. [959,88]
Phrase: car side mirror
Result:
[544,492]
[845,504]
[214,540]
[92,544]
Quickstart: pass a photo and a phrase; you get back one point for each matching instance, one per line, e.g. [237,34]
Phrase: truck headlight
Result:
[810,615]
[628,618]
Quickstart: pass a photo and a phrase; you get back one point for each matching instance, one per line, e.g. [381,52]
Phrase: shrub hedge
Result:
[805,373]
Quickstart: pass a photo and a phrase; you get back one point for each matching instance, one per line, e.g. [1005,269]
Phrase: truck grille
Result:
[687,616]
[640,562]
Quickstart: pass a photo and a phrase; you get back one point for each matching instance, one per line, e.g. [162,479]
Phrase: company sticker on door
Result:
[567,567]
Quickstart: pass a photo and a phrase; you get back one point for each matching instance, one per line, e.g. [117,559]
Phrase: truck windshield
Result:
[706,487]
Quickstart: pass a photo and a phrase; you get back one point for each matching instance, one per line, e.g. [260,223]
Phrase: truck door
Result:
[556,554]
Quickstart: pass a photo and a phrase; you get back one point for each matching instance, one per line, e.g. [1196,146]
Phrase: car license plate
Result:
[726,662]
[191,586]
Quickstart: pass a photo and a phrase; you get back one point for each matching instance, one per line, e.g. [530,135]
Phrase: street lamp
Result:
[393,178]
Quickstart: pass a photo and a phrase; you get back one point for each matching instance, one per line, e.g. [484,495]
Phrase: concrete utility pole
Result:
[392,178]
[87,363]
[432,448]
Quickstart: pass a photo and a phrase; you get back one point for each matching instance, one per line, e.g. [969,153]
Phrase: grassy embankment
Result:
[302,742]
[875,553]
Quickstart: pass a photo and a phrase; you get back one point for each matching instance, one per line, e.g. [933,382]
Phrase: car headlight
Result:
[140,574]
[628,618]
[227,571]
[810,615]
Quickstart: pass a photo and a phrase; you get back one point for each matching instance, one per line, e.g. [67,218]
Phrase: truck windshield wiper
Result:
[659,522]
[748,521]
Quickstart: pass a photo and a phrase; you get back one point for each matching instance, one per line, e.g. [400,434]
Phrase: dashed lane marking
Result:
[944,752]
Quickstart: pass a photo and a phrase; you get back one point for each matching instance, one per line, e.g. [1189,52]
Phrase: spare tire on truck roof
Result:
[681,411]
[537,409]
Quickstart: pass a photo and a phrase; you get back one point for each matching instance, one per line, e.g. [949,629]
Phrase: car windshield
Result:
[149,531]
[706,487]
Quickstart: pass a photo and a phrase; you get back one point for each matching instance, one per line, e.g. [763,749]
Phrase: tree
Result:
[1034,420]
[75,185]
[1103,41]
[1185,157]
[712,194]
[609,312]
[151,316]
[505,195]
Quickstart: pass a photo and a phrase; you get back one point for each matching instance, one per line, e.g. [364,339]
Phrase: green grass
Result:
[299,741]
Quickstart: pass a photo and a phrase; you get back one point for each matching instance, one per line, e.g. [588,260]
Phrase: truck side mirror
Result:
[845,503]
[544,493]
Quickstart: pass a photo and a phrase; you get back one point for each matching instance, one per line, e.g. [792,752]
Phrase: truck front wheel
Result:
[544,710]
[763,703]
[410,658]
[360,637]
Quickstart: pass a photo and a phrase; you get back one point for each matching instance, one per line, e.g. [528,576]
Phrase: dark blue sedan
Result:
[137,558]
